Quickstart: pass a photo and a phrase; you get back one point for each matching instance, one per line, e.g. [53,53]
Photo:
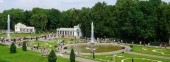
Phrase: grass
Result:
[21,56]
[48,44]
[51,42]
[120,56]
[149,50]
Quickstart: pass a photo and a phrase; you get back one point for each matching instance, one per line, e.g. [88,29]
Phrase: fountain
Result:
[94,47]
[91,45]
[8,27]
[92,34]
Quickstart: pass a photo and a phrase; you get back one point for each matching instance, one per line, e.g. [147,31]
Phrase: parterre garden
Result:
[31,56]
[151,50]
[125,57]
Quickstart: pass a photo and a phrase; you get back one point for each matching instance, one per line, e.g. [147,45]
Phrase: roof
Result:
[20,24]
[66,29]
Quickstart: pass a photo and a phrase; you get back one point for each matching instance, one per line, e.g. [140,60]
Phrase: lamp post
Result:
[92,51]
[114,58]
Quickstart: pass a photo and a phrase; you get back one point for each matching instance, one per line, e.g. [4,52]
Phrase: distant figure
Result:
[132,42]
[148,44]
[165,45]
[140,42]
[161,45]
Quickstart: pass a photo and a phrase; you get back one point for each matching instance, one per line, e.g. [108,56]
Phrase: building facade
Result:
[70,32]
[21,28]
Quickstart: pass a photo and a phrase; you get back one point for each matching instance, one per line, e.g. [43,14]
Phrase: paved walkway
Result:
[79,58]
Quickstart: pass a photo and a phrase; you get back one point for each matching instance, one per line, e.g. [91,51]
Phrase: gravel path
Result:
[79,58]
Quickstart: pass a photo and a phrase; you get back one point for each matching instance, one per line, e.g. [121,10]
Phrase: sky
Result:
[47,4]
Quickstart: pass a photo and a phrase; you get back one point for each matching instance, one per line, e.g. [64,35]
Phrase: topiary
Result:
[24,46]
[72,56]
[52,56]
[13,48]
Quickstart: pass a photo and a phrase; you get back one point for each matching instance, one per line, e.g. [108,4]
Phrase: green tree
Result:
[13,48]
[52,56]
[53,16]
[72,56]
[16,15]
[24,46]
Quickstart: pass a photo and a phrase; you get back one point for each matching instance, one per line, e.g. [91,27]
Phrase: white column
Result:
[64,32]
[69,33]
[73,33]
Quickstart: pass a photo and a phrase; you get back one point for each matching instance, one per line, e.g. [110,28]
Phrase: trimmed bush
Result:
[24,46]
[13,48]
[52,56]
[72,56]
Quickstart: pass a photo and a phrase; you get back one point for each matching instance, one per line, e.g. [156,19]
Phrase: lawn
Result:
[151,50]
[21,56]
[51,42]
[127,58]
[47,44]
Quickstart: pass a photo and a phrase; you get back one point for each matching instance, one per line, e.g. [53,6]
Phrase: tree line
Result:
[128,19]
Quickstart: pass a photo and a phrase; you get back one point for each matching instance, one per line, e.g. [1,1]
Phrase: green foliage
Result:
[72,56]
[24,46]
[52,56]
[13,48]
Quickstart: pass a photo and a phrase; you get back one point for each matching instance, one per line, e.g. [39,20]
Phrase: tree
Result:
[52,56]
[53,16]
[13,48]
[24,46]
[72,56]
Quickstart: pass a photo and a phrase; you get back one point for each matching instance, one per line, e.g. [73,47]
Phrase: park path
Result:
[79,58]
[148,55]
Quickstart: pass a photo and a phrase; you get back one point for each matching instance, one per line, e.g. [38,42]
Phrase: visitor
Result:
[140,42]
[165,45]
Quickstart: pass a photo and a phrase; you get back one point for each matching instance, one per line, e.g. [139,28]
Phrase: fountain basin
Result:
[98,47]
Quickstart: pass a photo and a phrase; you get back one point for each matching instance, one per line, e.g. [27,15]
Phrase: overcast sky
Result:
[57,4]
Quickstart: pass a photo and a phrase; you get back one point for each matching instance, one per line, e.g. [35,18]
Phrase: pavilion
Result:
[70,32]
[21,28]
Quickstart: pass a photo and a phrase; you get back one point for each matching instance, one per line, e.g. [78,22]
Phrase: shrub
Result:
[72,56]
[13,48]
[52,56]
[65,48]
[24,46]
[131,46]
